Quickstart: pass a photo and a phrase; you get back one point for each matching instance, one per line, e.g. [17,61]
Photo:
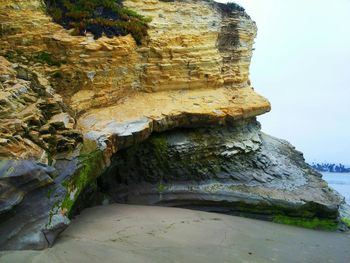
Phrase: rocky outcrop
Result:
[35,124]
[71,106]
[185,50]
[237,169]
[19,178]
[192,63]
[35,128]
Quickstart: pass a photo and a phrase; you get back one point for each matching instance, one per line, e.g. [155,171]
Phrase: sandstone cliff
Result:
[71,104]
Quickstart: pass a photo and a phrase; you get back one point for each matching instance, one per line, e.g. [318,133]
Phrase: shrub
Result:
[235,7]
[98,17]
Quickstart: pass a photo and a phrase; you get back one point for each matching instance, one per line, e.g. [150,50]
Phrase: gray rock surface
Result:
[235,169]
[227,169]
[20,177]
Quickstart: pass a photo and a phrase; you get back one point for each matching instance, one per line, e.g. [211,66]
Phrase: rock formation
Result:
[233,169]
[170,121]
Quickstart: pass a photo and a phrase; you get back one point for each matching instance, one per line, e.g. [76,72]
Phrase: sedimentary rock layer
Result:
[191,45]
[70,103]
[34,121]
[192,64]
[232,169]
[134,119]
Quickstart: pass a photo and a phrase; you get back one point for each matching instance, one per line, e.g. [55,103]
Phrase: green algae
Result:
[90,169]
[49,193]
[346,221]
[90,166]
[310,223]
[161,188]
[160,146]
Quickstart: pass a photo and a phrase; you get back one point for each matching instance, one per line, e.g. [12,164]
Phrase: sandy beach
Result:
[124,233]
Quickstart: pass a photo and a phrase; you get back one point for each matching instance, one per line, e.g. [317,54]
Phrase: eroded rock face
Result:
[35,128]
[191,45]
[194,65]
[34,122]
[20,177]
[231,169]
[73,103]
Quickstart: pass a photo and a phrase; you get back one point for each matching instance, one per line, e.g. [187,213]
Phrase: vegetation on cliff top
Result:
[230,7]
[98,17]
[234,7]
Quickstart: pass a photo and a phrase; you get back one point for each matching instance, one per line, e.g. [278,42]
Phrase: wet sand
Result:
[141,234]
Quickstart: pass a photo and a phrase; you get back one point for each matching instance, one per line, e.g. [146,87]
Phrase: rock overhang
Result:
[192,71]
[138,116]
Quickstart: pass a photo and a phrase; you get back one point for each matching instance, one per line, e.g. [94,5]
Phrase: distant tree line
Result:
[330,167]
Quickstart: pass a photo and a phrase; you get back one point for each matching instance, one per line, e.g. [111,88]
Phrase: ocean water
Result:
[340,182]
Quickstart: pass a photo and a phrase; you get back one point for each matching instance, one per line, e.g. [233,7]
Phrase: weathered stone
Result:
[18,178]
[191,71]
[237,169]
[28,112]
[62,121]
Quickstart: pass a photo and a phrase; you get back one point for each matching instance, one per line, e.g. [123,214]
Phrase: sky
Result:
[301,63]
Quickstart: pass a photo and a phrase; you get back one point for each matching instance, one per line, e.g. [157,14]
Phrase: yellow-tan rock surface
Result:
[195,62]
[34,122]
[192,70]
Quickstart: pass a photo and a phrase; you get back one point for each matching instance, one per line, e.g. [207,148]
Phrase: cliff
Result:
[73,106]
[192,64]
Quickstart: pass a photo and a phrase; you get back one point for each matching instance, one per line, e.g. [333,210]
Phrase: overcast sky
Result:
[301,64]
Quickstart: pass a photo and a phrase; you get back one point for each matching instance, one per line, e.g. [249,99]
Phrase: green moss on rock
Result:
[47,58]
[160,146]
[161,188]
[91,166]
[346,221]
[313,223]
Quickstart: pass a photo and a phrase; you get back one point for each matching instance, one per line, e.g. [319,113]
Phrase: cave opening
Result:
[215,169]
[184,167]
